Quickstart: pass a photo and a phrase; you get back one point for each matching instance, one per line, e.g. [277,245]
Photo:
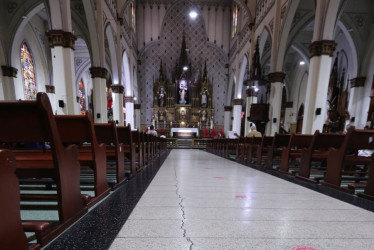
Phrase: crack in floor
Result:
[182,209]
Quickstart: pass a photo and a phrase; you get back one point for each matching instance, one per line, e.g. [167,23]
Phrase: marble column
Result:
[315,108]
[355,101]
[99,76]
[129,102]
[62,51]
[9,92]
[251,99]
[50,90]
[228,116]
[276,81]
[117,95]
[137,116]
[237,113]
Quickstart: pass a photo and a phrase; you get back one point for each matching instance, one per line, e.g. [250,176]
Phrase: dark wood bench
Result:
[12,230]
[33,121]
[79,130]
[125,138]
[293,150]
[369,187]
[346,155]
[255,142]
[135,135]
[275,150]
[263,148]
[106,133]
[317,152]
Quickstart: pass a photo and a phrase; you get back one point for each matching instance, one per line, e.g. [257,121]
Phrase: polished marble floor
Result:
[200,201]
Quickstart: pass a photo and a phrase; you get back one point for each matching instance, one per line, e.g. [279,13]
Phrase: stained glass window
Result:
[109,104]
[28,73]
[133,20]
[235,20]
[81,93]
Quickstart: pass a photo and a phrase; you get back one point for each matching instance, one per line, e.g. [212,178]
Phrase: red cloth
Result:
[214,133]
[206,132]
[221,132]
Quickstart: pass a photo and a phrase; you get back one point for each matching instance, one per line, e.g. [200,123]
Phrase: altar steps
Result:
[186,143]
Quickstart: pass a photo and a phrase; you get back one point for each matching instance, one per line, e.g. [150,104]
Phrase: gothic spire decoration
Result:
[161,73]
[256,72]
[183,59]
[205,73]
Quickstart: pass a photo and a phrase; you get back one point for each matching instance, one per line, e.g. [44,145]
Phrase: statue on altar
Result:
[203,116]
[204,98]
[182,91]
[161,97]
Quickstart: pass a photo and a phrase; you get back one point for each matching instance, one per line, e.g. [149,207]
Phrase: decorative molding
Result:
[98,72]
[358,82]
[117,88]
[60,38]
[137,106]
[237,102]
[50,89]
[128,99]
[324,47]
[9,71]
[277,77]
[250,92]
[228,108]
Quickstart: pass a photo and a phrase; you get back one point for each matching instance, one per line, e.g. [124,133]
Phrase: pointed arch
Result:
[243,68]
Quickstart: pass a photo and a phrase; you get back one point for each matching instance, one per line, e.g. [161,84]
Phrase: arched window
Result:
[82,97]
[28,73]
[235,20]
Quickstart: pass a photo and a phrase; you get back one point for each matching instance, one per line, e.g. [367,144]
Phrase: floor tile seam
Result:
[249,220]
[283,238]
[242,208]
[189,241]
[270,208]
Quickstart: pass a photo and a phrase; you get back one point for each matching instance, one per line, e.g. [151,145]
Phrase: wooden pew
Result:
[135,135]
[369,187]
[346,155]
[255,142]
[125,138]
[33,121]
[275,150]
[106,133]
[265,143]
[79,130]
[144,143]
[293,150]
[12,230]
[317,151]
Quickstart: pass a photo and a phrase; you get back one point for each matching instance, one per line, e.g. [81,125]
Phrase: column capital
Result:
[137,106]
[117,88]
[250,92]
[228,108]
[9,71]
[358,82]
[277,77]
[128,99]
[98,72]
[323,47]
[50,89]
[237,102]
[60,38]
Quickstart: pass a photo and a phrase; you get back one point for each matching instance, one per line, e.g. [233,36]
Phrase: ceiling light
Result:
[301,62]
[185,68]
[193,14]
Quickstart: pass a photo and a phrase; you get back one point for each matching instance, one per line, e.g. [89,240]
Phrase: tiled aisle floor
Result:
[200,201]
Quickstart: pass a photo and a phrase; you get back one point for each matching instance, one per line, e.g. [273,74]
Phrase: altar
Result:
[183,102]
[184,132]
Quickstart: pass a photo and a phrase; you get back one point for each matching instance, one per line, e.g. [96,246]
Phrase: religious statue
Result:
[204,98]
[203,116]
[182,92]
[182,114]
[161,97]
